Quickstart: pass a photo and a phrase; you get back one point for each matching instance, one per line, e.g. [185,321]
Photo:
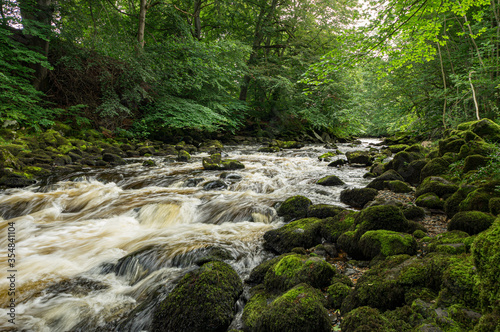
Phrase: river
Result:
[97,249]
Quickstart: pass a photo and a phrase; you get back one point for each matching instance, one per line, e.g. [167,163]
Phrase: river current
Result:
[97,249]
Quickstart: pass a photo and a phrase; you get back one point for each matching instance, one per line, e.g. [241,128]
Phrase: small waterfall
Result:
[98,249]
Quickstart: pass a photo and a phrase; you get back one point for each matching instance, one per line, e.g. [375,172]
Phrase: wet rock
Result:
[365,319]
[328,156]
[471,222]
[113,159]
[357,197]
[433,184]
[143,150]
[399,186]
[494,205]
[193,182]
[294,207]
[430,201]
[215,162]
[386,243]
[452,203]
[381,182]
[203,300]
[183,156]
[330,180]
[412,212]
[299,233]
[384,217]
[477,200]
[292,270]
[259,272]
[337,163]
[299,309]
[231,177]
[474,162]
[398,148]
[215,185]
[359,157]
[149,163]
[323,211]
[12,180]
[332,228]
[337,292]
[452,242]
[486,129]
[434,167]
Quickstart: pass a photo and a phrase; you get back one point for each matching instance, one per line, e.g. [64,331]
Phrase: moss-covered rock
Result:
[214,162]
[357,197]
[477,200]
[452,203]
[487,323]
[365,319]
[459,284]
[474,162]
[452,242]
[486,254]
[433,184]
[412,212]
[53,138]
[399,186]
[327,156]
[471,222]
[381,182]
[113,159]
[333,228]
[294,207]
[486,129]
[323,211]
[430,201]
[494,205]
[476,147]
[259,272]
[398,147]
[434,167]
[298,310]
[337,292]
[299,233]
[386,243]
[203,300]
[359,157]
[451,144]
[290,145]
[385,217]
[330,180]
[8,160]
[269,149]
[294,269]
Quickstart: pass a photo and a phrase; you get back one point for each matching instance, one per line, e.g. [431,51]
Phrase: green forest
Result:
[157,68]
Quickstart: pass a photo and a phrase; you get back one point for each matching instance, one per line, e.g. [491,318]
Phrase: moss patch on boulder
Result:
[387,243]
[430,201]
[299,233]
[323,211]
[294,207]
[330,180]
[471,222]
[357,197]
[439,186]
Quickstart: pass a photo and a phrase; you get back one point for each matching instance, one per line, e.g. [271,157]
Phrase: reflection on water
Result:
[97,249]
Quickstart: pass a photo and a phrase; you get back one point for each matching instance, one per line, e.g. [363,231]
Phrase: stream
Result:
[96,250]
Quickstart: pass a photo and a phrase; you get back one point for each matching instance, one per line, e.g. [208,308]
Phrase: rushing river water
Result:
[97,249]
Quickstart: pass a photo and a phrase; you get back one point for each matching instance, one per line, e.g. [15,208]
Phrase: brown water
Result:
[74,232]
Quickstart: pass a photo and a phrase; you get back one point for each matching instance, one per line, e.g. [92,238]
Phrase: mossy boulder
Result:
[460,284]
[398,147]
[486,255]
[413,212]
[294,269]
[8,160]
[494,205]
[290,145]
[430,201]
[453,242]
[203,300]
[330,180]
[477,200]
[113,159]
[474,162]
[381,182]
[337,292]
[434,167]
[299,233]
[471,222]
[386,243]
[15,180]
[323,211]
[214,162]
[333,228]
[433,184]
[269,149]
[327,156]
[300,309]
[53,138]
[357,197]
[294,207]
[452,144]
[476,147]
[399,186]
[452,203]
[359,157]
[259,272]
[365,319]
[386,217]
[486,129]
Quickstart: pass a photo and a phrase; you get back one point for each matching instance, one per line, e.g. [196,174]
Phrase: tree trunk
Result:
[196,19]
[142,22]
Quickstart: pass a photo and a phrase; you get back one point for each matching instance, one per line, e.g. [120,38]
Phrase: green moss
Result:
[380,217]
[430,201]
[359,157]
[474,162]
[294,207]
[454,237]
[269,149]
[398,147]
[459,284]
[299,233]
[419,234]
[487,129]
[290,145]
[327,156]
[357,197]
[437,185]
[472,222]
[365,319]
[486,254]
[476,147]
[294,269]
[323,211]
[387,243]
[412,212]
[299,309]
[259,272]
[65,149]
[436,166]
[203,300]
[256,306]
[330,180]
[332,228]
[337,292]
[452,203]
[494,206]
[477,200]
[399,186]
